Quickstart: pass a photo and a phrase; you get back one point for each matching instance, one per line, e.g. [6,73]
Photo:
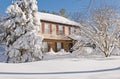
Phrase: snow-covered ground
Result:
[64,66]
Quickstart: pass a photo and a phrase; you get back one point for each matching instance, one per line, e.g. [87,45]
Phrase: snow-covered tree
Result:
[22,32]
[1,28]
[101,29]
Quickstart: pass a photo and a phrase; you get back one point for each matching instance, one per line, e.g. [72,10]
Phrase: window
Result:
[47,28]
[60,30]
[45,47]
[59,46]
[72,30]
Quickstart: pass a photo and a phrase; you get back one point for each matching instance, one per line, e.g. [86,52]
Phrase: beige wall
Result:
[53,38]
[54,29]
[66,30]
[52,44]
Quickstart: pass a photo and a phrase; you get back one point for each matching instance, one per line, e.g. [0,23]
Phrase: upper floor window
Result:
[72,30]
[60,29]
[47,28]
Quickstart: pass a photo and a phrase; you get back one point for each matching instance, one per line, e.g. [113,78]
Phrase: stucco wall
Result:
[67,30]
[54,29]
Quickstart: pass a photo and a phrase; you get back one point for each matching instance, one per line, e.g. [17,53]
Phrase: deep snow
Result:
[64,66]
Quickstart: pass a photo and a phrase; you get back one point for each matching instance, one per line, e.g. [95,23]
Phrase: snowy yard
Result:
[21,41]
[64,66]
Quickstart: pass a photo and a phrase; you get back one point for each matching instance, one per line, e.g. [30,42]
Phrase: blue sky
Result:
[69,5]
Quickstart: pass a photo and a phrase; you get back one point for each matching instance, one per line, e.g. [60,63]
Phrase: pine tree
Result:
[22,35]
[63,12]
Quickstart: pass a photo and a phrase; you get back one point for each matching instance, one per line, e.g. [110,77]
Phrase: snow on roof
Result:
[56,18]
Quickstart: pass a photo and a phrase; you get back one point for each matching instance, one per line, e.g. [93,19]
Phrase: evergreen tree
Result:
[63,12]
[22,35]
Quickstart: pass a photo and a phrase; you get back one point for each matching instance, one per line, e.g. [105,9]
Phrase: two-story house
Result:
[55,30]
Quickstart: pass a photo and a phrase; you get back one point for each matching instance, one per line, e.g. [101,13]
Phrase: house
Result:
[55,30]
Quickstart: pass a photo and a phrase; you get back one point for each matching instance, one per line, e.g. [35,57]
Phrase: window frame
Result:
[45,47]
[59,46]
[61,30]
[72,30]
[47,28]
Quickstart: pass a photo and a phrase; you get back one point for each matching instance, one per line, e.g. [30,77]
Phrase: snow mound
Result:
[57,55]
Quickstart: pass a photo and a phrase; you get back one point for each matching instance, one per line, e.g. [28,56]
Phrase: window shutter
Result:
[42,28]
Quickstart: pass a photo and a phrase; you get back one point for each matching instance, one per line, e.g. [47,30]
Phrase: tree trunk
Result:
[106,54]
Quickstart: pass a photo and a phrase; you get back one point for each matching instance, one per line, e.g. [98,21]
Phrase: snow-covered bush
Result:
[82,48]
[22,32]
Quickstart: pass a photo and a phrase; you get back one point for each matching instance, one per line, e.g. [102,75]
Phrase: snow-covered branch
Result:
[101,28]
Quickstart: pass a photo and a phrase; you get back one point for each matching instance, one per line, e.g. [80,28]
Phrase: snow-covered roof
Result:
[56,18]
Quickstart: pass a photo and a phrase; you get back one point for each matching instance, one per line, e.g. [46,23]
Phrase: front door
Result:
[70,45]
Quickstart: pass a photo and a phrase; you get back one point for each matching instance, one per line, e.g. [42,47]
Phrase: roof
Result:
[56,19]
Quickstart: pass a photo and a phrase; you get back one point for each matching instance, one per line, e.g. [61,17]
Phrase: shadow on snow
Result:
[53,73]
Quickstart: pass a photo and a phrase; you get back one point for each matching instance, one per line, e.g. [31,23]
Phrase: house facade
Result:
[56,30]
